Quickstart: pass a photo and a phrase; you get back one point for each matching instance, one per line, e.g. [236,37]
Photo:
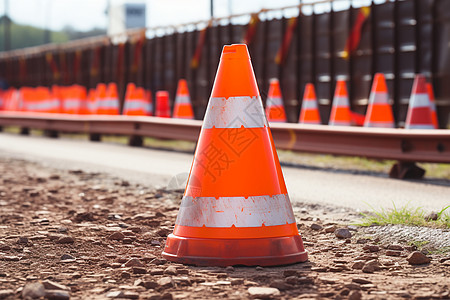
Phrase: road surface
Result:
[159,168]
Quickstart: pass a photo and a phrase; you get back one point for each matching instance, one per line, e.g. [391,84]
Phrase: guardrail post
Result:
[95,137]
[136,141]
[24,131]
[51,133]
[406,170]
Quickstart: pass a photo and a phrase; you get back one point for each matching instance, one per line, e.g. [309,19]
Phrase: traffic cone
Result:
[340,112]
[162,104]
[136,103]
[235,209]
[274,107]
[183,106]
[309,113]
[110,104]
[100,96]
[434,118]
[379,111]
[419,112]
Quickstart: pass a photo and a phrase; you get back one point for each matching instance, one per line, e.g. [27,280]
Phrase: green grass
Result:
[406,216]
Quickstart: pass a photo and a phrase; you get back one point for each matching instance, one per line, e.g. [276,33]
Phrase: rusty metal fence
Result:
[399,38]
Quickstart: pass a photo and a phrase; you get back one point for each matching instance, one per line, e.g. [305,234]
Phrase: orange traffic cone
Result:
[162,104]
[340,112]
[434,118]
[274,107]
[136,103]
[379,111]
[183,106]
[235,210]
[419,112]
[309,113]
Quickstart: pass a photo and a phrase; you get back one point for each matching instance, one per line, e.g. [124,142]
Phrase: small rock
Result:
[125,275]
[352,286]
[139,270]
[50,285]
[33,290]
[57,295]
[418,258]
[170,270]
[371,266]
[393,253]
[291,280]
[432,217]
[258,268]
[229,269]
[263,292]
[354,295]
[65,239]
[134,262]
[116,236]
[115,294]
[22,240]
[358,264]
[342,233]
[166,282]
[361,281]
[279,284]
[316,226]
[67,257]
[330,229]
[237,281]
[130,295]
[395,247]
[371,248]
[6,293]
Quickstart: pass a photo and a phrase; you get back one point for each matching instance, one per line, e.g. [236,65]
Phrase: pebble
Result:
[418,258]
[229,269]
[316,226]
[57,295]
[117,236]
[22,240]
[361,280]
[166,282]
[134,262]
[395,247]
[258,268]
[263,292]
[50,285]
[279,284]
[371,248]
[354,295]
[67,257]
[358,264]
[237,281]
[6,293]
[371,266]
[139,270]
[65,239]
[393,253]
[170,270]
[330,229]
[33,290]
[342,233]
[115,294]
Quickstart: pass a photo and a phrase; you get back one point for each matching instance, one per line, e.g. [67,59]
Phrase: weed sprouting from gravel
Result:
[406,216]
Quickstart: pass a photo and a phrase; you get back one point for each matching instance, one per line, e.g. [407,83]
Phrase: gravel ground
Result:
[78,235]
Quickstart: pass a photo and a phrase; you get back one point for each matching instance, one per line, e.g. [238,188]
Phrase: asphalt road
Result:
[166,168]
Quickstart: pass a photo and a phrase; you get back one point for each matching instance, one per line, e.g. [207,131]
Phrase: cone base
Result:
[228,252]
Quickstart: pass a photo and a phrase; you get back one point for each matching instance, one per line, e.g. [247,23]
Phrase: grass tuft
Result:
[406,216]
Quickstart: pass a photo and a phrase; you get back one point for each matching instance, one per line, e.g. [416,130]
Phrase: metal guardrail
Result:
[406,146]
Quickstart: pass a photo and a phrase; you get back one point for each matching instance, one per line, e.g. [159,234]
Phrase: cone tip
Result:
[235,51]
[419,85]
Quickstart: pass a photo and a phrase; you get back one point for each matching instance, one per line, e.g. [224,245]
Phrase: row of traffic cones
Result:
[421,112]
[103,100]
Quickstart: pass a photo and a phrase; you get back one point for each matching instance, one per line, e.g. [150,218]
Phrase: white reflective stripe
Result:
[238,211]
[309,104]
[235,112]
[182,100]
[274,101]
[419,100]
[339,123]
[419,126]
[136,104]
[108,103]
[72,103]
[378,98]
[380,124]
[340,101]
[433,106]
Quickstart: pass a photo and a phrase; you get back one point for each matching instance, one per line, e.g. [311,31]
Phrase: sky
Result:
[84,15]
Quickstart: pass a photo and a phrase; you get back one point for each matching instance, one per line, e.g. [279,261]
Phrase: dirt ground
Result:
[72,234]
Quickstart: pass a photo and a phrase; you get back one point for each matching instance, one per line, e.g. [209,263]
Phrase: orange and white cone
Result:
[274,107]
[309,113]
[434,117]
[419,111]
[183,107]
[235,210]
[340,112]
[162,104]
[136,102]
[379,111]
